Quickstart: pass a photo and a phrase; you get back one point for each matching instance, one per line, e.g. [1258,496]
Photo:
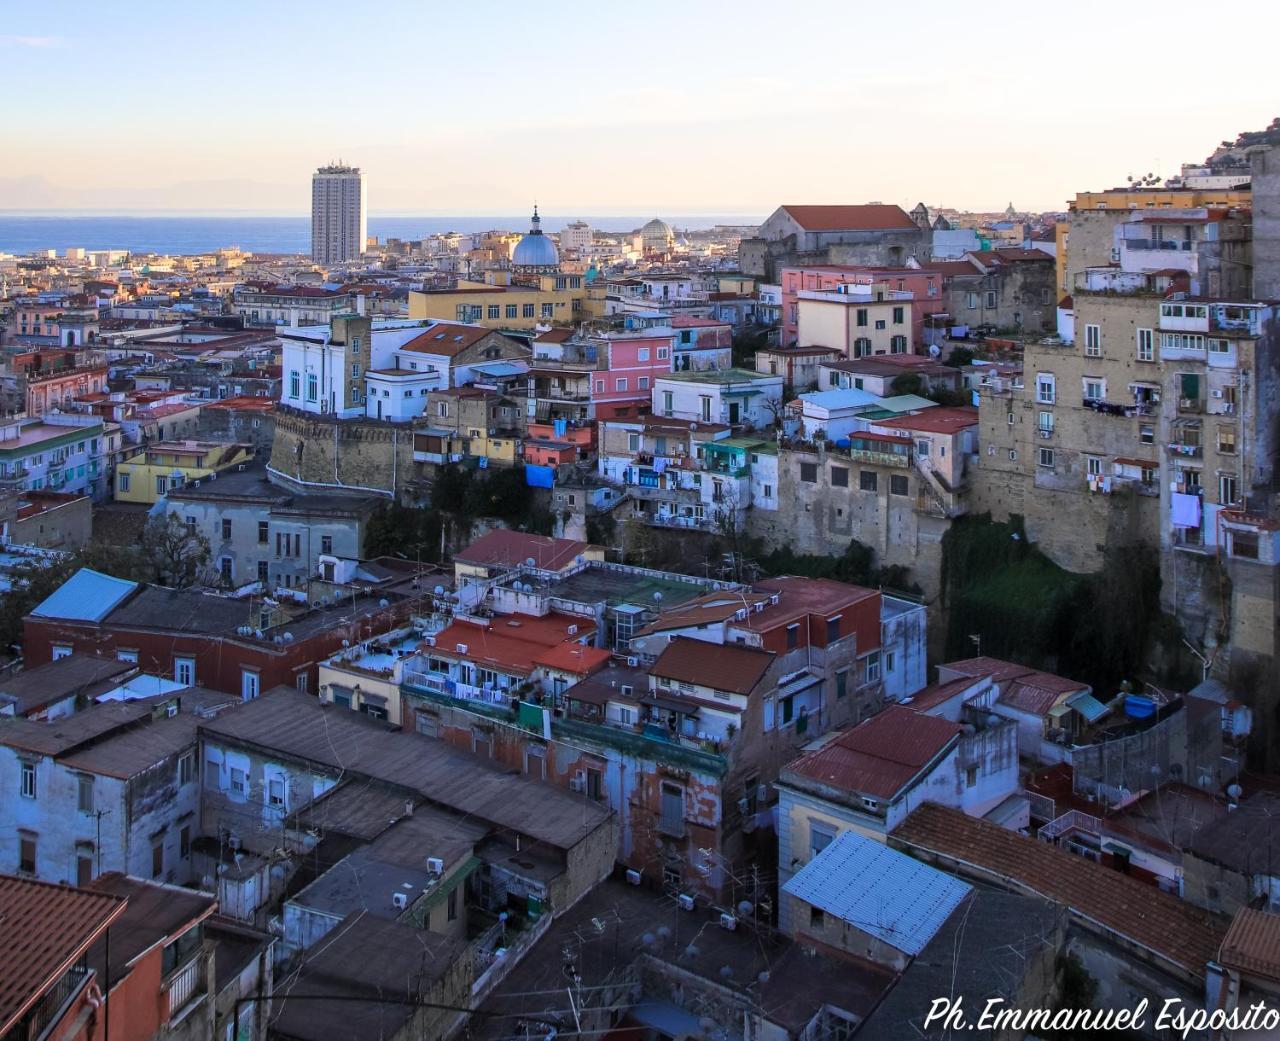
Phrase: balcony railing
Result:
[1186,449]
[50,1007]
[186,985]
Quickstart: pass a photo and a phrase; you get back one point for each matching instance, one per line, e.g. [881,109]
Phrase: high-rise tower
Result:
[338,221]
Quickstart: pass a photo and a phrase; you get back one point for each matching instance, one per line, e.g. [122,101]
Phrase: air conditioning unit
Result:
[1216,393]
[686,901]
[573,630]
[461,648]
[633,662]
[1046,433]
[633,877]
[728,921]
[435,865]
[399,901]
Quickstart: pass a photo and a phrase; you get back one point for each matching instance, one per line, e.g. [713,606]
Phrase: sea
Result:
[26,233]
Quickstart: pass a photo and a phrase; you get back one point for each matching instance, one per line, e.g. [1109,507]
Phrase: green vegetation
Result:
[459,497]
[1102,628]
[960,357]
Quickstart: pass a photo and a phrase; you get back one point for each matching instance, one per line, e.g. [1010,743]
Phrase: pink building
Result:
[635,359]
[924,284]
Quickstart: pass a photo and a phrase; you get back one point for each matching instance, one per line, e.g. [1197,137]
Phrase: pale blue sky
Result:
[662,107]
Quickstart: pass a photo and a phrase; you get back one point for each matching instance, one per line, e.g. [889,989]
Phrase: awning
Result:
[1088,706]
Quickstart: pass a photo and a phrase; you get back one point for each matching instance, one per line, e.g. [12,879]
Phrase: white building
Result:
[576,236]
[339,225]
[730,396]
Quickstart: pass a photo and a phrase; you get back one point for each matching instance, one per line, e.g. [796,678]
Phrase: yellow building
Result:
[499,303]
[1086,239]
[160,467]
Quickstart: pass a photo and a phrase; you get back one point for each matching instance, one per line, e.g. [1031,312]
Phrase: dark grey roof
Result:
[986,949]
[77,674]
[156,912]
[286,722]
[180,610]
[254,485]
[363,956]
[1247,839]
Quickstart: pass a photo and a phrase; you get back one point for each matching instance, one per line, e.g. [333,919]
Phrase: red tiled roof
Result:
[508,548]
[1174,930]
[868,217]
[44,929]
[575,658]
[1252,944]
[939,693]
[936,420]
[446,338]
[881,756]
[511,643]
[688,321]
[244,402]
[719,666]
[1023,688]
[553,336]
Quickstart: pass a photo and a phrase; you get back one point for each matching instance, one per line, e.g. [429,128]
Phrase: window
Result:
[1046,458]
[1094,389]
[1146,345]
[898,315]
[84,793]
[663,353]
[620,384]
[452,911]
[642,354]
[809,473]
[970,776]
[861,347]
[123,479]
[793,636]
[991,299]
[355,370]
[131,657]
[248,684]
[84,863]
[239,781]
[898,345]
[842,683]
[535,763]
[867,480]
[862,317]
[1093,341]
[1046,388]
[295,384]
[971,301]
[816,917]
[26,853]
[898,485]
[494,311]
[833,629]
[275,791]
[262,533]
[1228,493]
[313,386]
[672,820]
[840,477]
[226,528]
[162,485]
[186,767]
[1226,441]
[922,449]
[642,383]
[184,842]
[526,311]
[326,544]
[263,572]
[872,671]
[511,310]
[1147,434]
[28,780]
[821,835]
[157,857]
[1093,466]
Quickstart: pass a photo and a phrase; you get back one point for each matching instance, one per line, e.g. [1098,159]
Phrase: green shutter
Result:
[1190,385]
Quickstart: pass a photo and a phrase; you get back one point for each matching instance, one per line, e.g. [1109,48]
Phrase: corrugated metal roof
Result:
[87,596]
[876,889]
[1088,706]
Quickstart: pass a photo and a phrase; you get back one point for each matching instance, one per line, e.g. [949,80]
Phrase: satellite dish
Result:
[439,590]
[934,350]
[1235,791]
[530,561]
[657,597]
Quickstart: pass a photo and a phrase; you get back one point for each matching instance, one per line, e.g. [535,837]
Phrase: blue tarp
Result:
[87,596]
[539,476]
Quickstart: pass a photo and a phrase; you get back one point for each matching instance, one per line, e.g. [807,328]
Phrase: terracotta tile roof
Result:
[446,338]
[43,930]
[719,666]
[705,609]
[1175,931]
[936,421]
[511,643]
[939,693]
[507,548]
[574,657]
[1252,944]
[880,756]
[869,217]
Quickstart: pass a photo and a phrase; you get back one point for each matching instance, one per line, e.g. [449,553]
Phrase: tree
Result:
[175,554]
[907,383]
[960,357]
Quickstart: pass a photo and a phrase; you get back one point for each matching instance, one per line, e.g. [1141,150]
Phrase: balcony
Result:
[186,986]
[1186,449]
[1193,406]
[52,1007]
[1112,408]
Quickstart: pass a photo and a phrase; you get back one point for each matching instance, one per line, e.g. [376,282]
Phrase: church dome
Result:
[535,250]
[657,236]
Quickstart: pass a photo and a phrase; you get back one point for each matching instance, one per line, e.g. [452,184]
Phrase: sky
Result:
[670,108]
